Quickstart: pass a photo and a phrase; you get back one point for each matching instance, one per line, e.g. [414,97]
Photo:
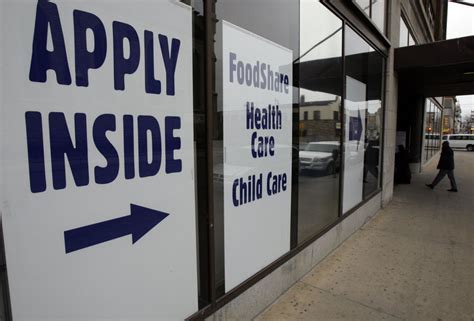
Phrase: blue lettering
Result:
[276,183]
[148,124]
[286,82]
[152,86]
[85,59]
[122,65]
[61,145]
[170,60]
[172,143]
[257,116]
[254,152]
[240,72]
[42,59]
[232,66]
[34,138]
[248,74]
[270,78]
[249,115]
[248,190]
[235,201]
[256,74]
[128,147]
[107,174]
[263,83]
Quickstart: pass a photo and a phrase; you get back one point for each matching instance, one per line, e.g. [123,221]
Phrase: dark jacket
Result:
[446,161]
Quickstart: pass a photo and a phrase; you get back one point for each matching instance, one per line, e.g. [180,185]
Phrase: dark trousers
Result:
[442,173]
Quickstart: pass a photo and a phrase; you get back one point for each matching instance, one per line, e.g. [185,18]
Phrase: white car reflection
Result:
[320,156]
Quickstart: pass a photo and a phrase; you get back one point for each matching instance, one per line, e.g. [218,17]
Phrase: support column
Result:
[391,102]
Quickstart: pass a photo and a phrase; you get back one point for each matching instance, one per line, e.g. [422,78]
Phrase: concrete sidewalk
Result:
[413,261]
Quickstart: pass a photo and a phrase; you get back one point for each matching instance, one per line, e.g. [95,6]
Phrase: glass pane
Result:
[364,5]
[403,33]
[411,41]
[431,128]
[435,129]
[439,130]
[363,120]
[374,125]
[320,69]
[356,102]
[253,143]
[425,132]
[378,14]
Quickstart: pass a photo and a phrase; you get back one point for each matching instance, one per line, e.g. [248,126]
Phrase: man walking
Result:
[446,167]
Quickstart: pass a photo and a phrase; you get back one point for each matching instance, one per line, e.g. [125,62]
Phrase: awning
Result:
[444,68]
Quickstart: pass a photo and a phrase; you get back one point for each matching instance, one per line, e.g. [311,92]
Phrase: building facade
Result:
[452,116]
[265,130]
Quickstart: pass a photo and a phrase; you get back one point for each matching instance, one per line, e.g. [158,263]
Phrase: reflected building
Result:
[319,120]
[452,115]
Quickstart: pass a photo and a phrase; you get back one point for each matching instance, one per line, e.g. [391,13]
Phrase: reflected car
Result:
[320,156]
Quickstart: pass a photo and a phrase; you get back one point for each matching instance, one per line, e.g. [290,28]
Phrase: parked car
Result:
[460,141]
[320,156]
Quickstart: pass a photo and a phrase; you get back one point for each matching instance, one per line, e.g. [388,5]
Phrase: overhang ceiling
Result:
[444,68]
[325,75]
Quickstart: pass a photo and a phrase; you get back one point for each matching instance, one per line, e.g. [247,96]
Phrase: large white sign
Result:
[257,96]
[97,159]
[354,149]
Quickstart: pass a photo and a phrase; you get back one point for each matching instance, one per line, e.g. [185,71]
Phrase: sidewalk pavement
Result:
[413,261]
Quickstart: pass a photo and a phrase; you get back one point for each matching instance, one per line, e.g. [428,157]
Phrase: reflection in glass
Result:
[320,67]
[363,120]
[364,5]
[314,35]
[432,139]
[260,20]
[378,14]
[355,105]
[374,119]
[403,33]
[375,9]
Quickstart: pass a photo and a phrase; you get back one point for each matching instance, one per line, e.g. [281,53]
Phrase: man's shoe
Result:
[452,190]
[430,186]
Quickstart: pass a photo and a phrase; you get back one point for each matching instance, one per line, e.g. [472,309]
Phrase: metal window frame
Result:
[355,17]
[378,42]
[383,106]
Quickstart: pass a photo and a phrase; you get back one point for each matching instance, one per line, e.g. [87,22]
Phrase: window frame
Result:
[380,44]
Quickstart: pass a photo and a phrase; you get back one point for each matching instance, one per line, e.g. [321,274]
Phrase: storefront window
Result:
[432,139]
[287,107]
[374,123]
[378,14]
[375,9]
[253,141]
[278,127]
[363,120]
[320,69]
